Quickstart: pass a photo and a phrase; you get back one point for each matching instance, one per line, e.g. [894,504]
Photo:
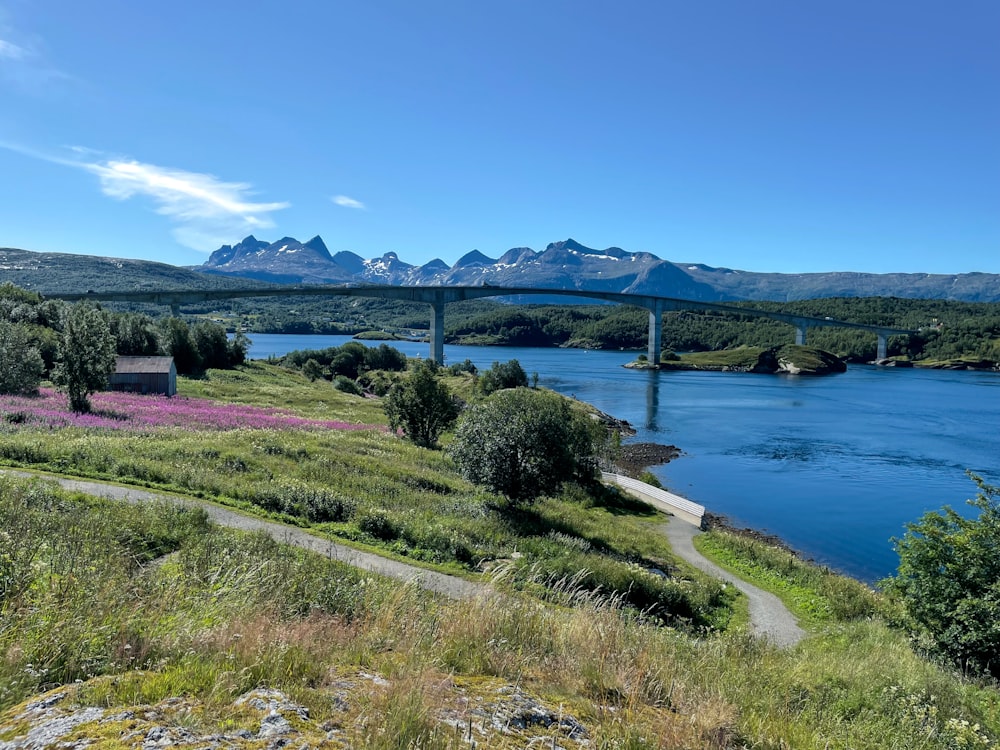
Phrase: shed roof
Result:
[137,365]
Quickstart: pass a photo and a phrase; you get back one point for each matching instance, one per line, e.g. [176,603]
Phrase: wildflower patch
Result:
[133,411]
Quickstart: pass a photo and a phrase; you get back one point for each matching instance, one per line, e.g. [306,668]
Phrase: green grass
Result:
[373,489]
[262,384]
[741,357]
[813,593]
[153,603]
[148,603]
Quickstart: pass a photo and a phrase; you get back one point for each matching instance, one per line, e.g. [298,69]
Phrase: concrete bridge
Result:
[439,296]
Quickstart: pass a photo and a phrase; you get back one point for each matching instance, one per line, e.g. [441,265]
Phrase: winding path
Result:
[450,586]
[769,618]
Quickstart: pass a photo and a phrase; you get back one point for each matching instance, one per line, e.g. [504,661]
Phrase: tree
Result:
[237,348]
[422,406]
[135,335]
[503,375]
[86,354]
[21,364]
[212,344]
[949,580]
[312,369]
[384,357]
[524,443]
[348,360]
[179,344]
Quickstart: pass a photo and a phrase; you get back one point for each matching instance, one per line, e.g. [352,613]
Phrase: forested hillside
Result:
[946,329]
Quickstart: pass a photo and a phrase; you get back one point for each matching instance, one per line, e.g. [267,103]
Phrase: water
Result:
[835,466]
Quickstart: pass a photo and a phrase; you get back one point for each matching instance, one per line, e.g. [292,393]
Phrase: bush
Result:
[422,406]
[378,382]
[384,357]
[949,581]
[524,443]
[459,367]
[346,385]
[501,376]
[376,523]
[312,369]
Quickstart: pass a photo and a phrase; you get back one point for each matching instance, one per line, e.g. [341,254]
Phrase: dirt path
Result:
[769,618]
[455,588]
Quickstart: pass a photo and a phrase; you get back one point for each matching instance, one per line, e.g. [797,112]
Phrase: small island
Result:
[790,359]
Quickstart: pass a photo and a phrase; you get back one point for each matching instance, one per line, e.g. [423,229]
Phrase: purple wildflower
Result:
[128,410]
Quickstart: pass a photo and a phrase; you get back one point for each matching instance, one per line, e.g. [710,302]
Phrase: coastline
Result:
[636,458]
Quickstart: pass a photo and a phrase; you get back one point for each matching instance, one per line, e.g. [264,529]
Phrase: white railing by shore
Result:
[659,499]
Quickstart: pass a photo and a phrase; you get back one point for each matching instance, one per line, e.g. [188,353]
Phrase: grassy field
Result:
[359,483]
[156,611]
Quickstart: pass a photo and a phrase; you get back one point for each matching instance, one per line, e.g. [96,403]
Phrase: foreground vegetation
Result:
[370,488]
[592,627]
[135,607]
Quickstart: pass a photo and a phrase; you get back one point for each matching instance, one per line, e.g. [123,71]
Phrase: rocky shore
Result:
[637,457]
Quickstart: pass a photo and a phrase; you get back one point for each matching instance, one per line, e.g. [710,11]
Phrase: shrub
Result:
[422,406]
[459,367]
[384,357]
[949,580]
[524,443]
[376,523]
[346,385]
[312,369]
[501,376]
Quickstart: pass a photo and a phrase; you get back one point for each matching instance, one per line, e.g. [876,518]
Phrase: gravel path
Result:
[450,586]
[769,618]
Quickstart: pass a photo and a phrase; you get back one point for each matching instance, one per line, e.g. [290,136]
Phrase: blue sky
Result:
[769,136]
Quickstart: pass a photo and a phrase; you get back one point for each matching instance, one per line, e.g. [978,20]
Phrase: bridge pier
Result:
[437,329]
[800,335]
[881,351]
[175,310]
[654,347]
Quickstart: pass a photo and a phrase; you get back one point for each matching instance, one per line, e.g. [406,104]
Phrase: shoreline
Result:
[636,458]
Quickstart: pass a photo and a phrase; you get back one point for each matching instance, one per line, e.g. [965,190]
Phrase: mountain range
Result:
[561,265]
[571,265]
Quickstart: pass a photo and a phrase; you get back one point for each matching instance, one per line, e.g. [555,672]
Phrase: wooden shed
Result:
[145,375]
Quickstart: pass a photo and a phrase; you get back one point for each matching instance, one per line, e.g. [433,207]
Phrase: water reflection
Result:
[652,400]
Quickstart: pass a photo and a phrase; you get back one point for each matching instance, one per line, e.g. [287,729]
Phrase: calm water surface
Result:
[833,465]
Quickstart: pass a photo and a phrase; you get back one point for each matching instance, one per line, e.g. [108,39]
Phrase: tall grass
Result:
[813,592]
[371,488]
[147,604]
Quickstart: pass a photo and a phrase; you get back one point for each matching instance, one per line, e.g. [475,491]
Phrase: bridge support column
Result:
[175,310]
[800,334]
[437,330]
[882,346]
[654,348]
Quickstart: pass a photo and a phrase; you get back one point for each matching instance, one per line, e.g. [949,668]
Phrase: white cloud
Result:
[206,211]
[347,202]
[10,51]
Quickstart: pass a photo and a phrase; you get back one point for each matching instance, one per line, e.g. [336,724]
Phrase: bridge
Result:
[439,296]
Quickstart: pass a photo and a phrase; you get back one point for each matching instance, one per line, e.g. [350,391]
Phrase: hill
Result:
[65,272]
